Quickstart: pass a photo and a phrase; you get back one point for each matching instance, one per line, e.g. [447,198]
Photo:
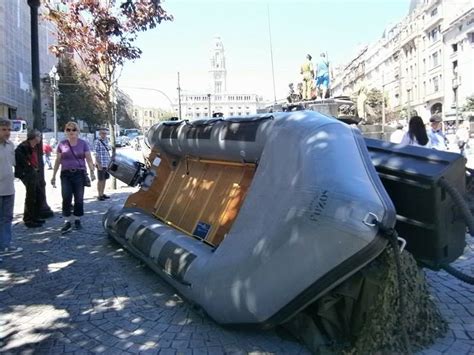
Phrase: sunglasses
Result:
[7,129]
[71,130]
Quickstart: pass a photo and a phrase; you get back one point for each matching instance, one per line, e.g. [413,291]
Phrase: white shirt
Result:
[7,162]
[438,140]
[406,140]
[397,136]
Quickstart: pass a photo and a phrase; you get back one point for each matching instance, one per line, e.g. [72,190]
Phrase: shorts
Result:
[102,174]
[323,81]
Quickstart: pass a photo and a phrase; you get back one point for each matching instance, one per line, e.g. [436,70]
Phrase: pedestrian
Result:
[322,76]
[397,135]
[462,137]
[47,150]
[307,71]
[53,142]
[436,135]
[7,188]
[102,160]
[27,170]
[416,134]
[72,155]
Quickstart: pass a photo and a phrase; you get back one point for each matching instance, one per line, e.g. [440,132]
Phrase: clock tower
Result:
[218,72]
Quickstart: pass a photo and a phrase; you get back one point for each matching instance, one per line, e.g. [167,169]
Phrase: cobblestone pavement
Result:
[83,293]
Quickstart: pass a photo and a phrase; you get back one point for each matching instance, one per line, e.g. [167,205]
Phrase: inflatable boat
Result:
[253,218]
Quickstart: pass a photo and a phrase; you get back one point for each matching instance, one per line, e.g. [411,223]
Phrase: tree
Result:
[78,97]
[469,105]
[374,103]
[102,34]
[124,111]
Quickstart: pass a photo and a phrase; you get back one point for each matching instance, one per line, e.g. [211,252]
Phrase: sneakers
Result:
[11,250]
[77,224]
[66,228]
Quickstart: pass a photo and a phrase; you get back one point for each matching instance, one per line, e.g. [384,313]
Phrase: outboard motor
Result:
[127,170]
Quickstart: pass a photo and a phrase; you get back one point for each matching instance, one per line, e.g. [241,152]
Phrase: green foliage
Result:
[78,99]
[124,112]
[469,105]
[375,98]
[102,34]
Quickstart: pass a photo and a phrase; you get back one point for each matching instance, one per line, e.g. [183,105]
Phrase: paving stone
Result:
[114,304]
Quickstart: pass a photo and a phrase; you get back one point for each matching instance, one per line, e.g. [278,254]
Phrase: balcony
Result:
[434,95]
[433,21]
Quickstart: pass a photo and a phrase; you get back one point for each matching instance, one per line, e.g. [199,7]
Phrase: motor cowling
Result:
[127,170]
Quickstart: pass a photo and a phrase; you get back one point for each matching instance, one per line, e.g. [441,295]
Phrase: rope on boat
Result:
[392,236]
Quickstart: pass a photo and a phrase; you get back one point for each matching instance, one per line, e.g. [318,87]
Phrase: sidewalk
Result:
[83,293]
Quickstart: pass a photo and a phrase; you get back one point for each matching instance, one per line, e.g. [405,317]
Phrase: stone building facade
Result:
[15,62]
[421,63]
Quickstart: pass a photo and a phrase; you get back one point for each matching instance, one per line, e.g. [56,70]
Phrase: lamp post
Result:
[209,100]
[455,86]
[35,69]
[408,102]
[54,79]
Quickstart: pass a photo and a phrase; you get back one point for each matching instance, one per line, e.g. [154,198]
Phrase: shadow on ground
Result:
[83,292]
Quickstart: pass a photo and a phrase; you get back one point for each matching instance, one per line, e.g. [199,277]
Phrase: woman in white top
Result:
[416,134]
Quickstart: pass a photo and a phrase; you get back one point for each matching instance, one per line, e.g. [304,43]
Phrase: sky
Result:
[338,27]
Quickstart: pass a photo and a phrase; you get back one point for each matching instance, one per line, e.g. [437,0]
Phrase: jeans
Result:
[6,218]
[47,160]
[72,184]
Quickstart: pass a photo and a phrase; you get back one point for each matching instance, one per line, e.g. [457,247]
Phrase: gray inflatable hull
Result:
[307,223]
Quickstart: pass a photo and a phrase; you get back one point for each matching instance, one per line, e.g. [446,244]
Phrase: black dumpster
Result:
[427,216]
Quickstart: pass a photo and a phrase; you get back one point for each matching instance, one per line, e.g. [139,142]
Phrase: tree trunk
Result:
[111,121]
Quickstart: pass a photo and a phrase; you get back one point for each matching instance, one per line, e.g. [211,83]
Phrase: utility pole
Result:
[383,106]
[271,54]
[209,98]
[179,98]
[455,86]
[54,78]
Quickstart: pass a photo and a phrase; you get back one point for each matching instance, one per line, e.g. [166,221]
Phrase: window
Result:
[470,37]
[435,84]
[455,47]
[434,12]
[455,67]
[434,34]
[435,61]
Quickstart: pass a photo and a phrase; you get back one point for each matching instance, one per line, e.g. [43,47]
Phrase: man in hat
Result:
[102,160]
[436,135]
[307,70]
[27,170]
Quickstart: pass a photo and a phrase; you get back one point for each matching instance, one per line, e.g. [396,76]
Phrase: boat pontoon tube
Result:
[307,223]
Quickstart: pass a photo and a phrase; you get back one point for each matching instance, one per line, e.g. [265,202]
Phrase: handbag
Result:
[87,179]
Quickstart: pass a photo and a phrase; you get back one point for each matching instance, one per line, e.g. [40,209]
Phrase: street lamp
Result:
[455,86]
[209,99]
[408,102]
[54,79]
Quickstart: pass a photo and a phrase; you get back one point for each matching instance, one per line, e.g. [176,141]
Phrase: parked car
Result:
[122,141]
